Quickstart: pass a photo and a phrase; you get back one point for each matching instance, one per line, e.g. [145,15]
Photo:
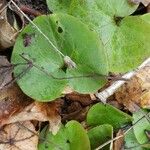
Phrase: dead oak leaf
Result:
[12,101]
[40,112]
[18,137]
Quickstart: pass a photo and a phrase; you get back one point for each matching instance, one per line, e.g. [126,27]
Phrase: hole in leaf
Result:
[64,68]
[68,141]
[117,20]
[60,30]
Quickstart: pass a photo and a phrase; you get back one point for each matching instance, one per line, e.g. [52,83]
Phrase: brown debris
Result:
[5,72]
[40,112]
[136,91]
[118,144]
[18,136]
[8,31]
[84,99]
[12,101]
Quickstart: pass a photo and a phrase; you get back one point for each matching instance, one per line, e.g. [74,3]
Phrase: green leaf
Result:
[126,39]
[141,124]
[130,44]
[131,142]
[106,114]
[78,136]
[49,76]
[53,142]
[110,7]
[99,135]
[146,17]
[71,137]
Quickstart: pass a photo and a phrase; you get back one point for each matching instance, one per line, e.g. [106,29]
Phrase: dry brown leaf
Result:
[144,2]
[118,144]
[40,112]
[5,72]
[12,101]
[84,99]
[148,8]
[18,136]
[8,32]
[145,100]
[136,91]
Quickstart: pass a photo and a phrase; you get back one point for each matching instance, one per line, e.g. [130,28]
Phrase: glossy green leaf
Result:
[48,77]
[99,135]
[142,124]
[106,114]
[126,39]
[71,137]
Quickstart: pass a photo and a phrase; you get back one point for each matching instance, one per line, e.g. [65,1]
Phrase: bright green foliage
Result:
[106,114]
[126,39]
[49,76]
[99,135]
[71,137]
[141,125]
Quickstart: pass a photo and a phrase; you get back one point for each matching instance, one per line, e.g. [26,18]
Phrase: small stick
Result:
[113,88]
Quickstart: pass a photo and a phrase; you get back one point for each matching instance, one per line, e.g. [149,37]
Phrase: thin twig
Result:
[112,89]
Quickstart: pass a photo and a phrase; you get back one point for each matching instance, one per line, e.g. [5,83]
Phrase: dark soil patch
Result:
[39,5]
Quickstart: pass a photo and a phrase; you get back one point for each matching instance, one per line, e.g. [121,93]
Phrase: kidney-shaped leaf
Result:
[71,137]
[126,39]
[48,75]
[106,114]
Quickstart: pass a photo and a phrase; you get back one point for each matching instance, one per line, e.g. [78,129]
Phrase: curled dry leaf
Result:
[12,101]
[144,2]
[136,91]
[8,25]
[84,99]
[41,112]
[18,136]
